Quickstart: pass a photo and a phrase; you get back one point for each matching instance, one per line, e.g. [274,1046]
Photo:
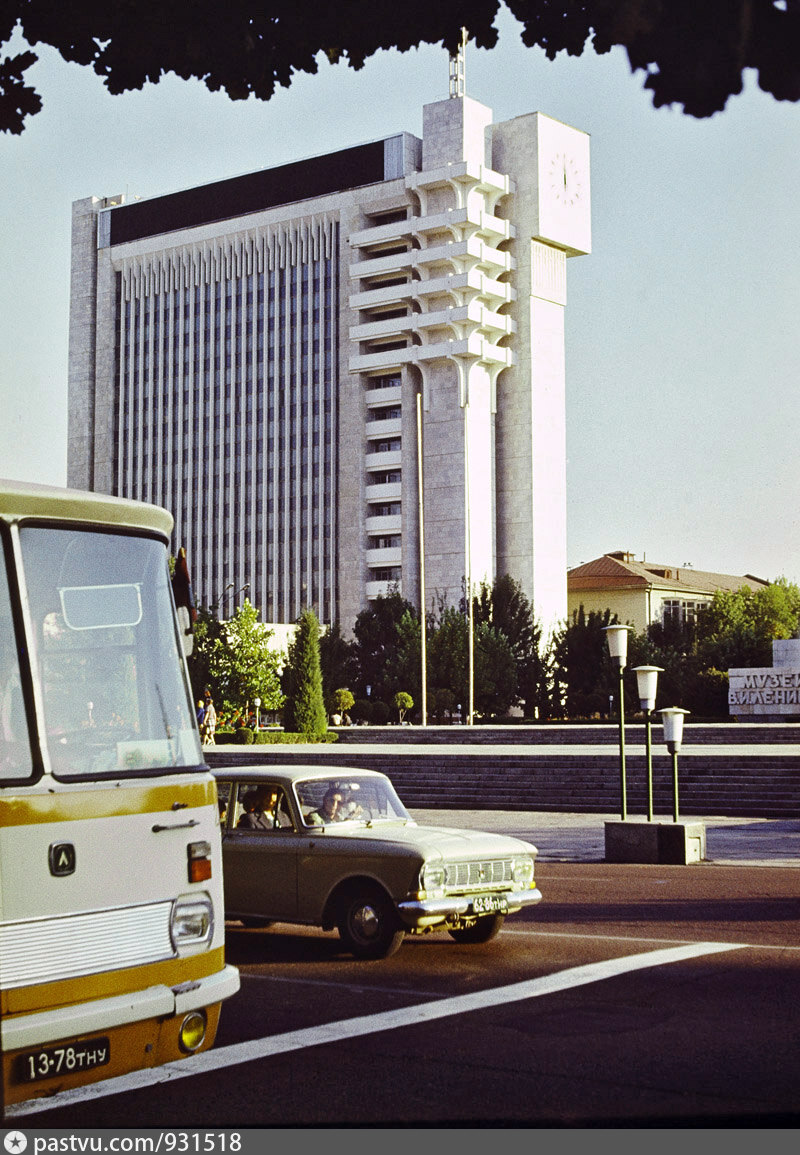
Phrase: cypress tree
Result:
[305,707]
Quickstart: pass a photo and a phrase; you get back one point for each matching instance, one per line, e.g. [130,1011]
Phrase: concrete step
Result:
[757,783]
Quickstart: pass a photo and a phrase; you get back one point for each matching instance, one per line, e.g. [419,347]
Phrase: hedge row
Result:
[246,737]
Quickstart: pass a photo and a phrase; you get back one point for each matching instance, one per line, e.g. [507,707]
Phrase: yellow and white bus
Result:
[111,910]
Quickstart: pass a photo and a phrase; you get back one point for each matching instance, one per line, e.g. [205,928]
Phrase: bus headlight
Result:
[192,921]
[523,871]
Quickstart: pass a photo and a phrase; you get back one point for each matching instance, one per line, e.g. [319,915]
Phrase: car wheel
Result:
[484,930]
[255,922]
[368,924]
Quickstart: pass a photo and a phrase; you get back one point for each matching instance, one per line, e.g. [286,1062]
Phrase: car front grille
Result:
[470,875]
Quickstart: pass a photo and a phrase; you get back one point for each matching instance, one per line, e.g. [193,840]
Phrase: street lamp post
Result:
[257,704]
[672,719]
[647,682]
[617,637]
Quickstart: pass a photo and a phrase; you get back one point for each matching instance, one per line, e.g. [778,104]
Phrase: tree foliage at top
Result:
[691,54]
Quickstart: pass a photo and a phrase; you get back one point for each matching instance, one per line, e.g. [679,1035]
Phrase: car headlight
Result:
[432,876]
[523,871]
[192,921]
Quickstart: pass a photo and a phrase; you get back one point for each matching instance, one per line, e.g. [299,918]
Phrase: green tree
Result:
[505,607]
[337,660]
[583,671]
[304,712]
[249,668]
[343,701]
[739,626]
[403,703]
[448,655]
[201,662]
[376,645]
[495,690]
[404,668]
[235,661]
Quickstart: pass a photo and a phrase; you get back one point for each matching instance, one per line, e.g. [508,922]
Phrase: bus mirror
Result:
[185,627]
[101,607]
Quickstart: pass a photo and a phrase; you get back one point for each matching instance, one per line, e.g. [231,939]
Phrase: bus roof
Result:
[23,499]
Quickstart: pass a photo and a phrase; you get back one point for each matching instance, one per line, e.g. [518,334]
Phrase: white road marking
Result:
[336,1032]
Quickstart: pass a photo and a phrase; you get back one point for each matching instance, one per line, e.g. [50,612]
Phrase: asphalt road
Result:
[632,996]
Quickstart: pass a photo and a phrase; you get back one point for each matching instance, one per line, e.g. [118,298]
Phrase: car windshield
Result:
[114,693]
[349,798]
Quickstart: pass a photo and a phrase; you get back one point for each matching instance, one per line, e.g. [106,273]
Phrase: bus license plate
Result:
[67,1059]
[489,903]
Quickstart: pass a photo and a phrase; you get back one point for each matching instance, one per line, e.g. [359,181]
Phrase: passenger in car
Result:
[259,809]
[328,811]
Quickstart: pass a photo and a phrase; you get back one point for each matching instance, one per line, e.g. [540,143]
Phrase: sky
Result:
[683,382]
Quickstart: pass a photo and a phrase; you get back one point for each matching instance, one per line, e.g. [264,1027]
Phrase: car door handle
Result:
[178,826]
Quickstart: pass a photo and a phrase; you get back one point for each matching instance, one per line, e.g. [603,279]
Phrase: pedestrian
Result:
[209,723]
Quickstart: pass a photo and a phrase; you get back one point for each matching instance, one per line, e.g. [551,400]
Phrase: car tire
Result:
[484,930]
[368,924]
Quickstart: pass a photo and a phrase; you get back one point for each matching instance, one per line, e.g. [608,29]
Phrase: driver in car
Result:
[329,811]
[349,807]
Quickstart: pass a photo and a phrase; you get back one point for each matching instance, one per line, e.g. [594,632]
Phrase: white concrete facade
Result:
[257,371]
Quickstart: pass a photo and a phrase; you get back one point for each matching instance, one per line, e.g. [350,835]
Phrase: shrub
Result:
[381,713]
[361,710]
[244,736]
[282,737]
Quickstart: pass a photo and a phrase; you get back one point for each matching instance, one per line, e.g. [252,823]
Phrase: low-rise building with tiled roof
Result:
[641,592]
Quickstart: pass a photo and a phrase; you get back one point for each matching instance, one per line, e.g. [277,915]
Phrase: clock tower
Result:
[548,163]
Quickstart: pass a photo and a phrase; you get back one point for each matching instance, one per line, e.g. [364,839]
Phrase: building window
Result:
[386,573]
[676,612]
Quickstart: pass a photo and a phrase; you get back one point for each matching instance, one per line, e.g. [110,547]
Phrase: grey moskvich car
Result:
[335,847]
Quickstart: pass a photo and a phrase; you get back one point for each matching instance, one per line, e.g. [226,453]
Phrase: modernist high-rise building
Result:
[266,355]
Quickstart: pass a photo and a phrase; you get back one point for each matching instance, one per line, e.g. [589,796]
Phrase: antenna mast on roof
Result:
[458,81]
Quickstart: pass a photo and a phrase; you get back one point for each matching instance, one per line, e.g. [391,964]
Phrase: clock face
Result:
[564,189]
[566,179]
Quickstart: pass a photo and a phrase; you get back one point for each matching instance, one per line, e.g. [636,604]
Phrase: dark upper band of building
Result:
[318,176]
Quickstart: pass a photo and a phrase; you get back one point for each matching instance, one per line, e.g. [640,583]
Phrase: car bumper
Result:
[429,911]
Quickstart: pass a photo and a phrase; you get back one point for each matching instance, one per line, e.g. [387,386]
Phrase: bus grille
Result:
[480,874]
[48,949]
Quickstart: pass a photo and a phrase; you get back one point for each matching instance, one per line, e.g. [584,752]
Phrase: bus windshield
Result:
[15,752]
[106,654]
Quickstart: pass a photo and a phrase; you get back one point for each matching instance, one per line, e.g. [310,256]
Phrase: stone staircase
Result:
[758,776]
[579,734]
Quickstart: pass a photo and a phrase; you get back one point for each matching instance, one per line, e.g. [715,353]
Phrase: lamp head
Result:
[672,719]
[647,683]
[617,637]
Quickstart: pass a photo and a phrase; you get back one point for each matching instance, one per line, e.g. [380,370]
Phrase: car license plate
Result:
[66,1059]
[489,903]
